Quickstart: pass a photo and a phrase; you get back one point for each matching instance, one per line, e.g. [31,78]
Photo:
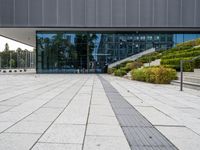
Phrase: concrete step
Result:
[192,79]
[153,63]
[190,74]
[197,71]
[186,84]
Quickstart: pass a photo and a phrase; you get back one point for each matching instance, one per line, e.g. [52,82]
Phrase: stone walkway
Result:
[61,112]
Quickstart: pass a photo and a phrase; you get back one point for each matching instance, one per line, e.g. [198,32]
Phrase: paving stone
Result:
[105,143]
[104,130]
[29,127]
[10,141]
[156,117]
[5,125]
[182,137]
[176,113]
[4,108]
[64,133]
[108,120]
[54,146]
[44,115]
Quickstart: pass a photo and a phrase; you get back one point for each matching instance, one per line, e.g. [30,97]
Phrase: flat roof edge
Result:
[116,29]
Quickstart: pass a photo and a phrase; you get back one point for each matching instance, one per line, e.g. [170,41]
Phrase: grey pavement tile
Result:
[182,137]
[105,143]
[10,116]
[156,117]
[73,117]
[64,133]
[56,146]
[56,104]
[97,119]
[4,108]
[29,127]
[104,130]
[44,115]
[101,110]
[11,141]
[5,125]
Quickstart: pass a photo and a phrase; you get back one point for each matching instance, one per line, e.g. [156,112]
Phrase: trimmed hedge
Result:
[192,43]
[157,75]
[150,57]
[184,53]
[123,64]
[175,64]
[172,59]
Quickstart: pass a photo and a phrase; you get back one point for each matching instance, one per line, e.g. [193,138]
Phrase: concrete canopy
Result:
[28,35]
[22,35]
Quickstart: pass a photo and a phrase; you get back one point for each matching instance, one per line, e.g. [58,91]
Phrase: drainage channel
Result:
[139,132]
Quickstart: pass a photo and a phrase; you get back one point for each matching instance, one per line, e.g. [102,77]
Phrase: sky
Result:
[13,45]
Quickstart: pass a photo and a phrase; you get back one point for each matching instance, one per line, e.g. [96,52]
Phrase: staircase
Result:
[190,79]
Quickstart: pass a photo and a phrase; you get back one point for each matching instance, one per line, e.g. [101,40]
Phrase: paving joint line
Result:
[59,114]
[31,90]
[34,110]
[57,85]
[143,101]
[88,114]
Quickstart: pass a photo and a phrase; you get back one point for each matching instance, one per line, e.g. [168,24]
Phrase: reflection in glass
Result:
[92,52]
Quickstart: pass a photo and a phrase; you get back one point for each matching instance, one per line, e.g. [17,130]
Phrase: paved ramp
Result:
[133,57]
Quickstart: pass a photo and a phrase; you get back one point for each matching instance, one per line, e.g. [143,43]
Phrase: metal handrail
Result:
[181,69]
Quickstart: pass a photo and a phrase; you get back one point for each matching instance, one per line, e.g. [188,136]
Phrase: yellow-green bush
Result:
[111,70]
[157,75]
[120,72]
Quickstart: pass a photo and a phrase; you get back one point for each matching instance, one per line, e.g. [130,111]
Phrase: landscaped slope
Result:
[170,63]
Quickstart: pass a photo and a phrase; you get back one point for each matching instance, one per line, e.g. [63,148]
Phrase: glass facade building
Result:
[68,52]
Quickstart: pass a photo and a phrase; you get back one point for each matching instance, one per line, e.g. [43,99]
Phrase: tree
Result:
[6,47]
[12,63]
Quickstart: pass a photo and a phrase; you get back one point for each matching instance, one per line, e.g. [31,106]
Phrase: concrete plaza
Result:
[61,112]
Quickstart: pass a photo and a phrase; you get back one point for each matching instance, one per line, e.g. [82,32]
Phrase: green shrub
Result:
[188,53]
[111,70]
[150,57]
[119,72]
[157,75]
[123,64]
[197,63]
[192,43]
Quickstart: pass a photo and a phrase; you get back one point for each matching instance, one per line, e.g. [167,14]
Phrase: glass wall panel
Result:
[81,52]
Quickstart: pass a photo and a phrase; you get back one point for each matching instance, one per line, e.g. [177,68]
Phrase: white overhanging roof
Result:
[28,35]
